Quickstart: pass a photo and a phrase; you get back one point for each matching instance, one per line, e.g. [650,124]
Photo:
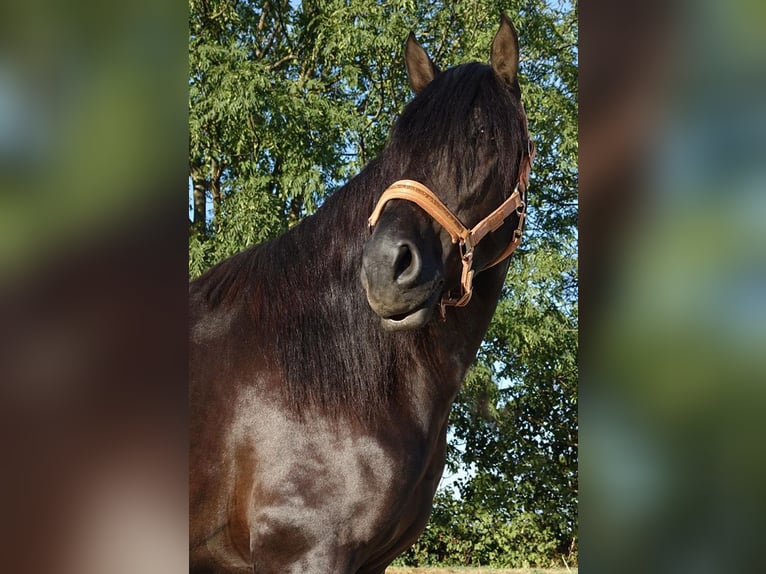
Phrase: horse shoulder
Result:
[322,496]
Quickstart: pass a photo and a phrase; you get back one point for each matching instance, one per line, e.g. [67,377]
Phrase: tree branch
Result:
[278,63]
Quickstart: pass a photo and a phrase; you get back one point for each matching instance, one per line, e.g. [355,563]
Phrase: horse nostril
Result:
[403,260]
[406,265]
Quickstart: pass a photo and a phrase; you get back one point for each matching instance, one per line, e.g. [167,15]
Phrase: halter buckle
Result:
[466,249]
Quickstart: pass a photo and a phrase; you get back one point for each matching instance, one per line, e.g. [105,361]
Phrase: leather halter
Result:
[466,238]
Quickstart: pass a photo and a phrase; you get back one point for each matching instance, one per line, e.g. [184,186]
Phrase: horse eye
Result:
[482,133]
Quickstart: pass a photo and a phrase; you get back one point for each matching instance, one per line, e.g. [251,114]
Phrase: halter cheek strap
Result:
[466,238]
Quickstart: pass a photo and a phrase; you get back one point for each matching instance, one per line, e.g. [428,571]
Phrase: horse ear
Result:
[420,69]
[505,52]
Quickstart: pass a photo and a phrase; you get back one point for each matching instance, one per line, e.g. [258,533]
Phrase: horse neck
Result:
[357,369]
[460,335]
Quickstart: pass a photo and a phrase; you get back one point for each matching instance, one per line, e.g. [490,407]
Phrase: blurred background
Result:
[93,283]
[93,264]
[673,286]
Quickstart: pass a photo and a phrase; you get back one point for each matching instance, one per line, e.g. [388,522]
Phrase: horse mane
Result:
[303,289]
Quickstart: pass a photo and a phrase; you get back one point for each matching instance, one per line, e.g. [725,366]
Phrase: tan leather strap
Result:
[521,210]
[426,199]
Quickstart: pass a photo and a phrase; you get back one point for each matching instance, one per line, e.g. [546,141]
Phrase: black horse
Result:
[324,363]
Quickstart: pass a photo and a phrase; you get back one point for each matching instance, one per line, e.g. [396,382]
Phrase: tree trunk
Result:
[198,196]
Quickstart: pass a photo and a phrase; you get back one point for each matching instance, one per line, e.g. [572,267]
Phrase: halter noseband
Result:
[466,238]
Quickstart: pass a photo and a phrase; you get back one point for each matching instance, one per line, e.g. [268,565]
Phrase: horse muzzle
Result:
[403,283]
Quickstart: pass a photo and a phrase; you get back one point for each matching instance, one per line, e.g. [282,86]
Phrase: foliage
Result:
[514,425]
[480,538]
[287,100]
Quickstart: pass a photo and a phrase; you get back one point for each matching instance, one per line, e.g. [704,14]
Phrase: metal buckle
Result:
[466,250]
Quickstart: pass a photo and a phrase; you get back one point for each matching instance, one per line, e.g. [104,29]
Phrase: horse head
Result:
[458,161]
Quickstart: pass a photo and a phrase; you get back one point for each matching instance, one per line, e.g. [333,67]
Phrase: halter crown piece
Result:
[466,238]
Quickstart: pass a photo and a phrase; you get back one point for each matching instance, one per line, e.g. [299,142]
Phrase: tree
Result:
[288,100]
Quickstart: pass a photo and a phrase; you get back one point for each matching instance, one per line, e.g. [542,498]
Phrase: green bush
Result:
[460,534]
